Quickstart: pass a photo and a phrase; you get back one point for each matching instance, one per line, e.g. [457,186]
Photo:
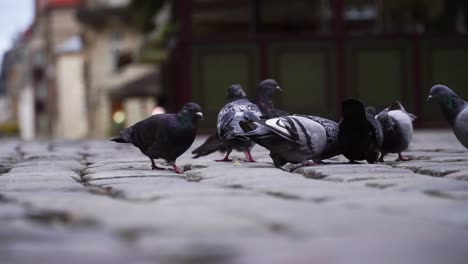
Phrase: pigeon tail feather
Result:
[211,144]
[119,140]
[247,126]
[397,106]
[126,134]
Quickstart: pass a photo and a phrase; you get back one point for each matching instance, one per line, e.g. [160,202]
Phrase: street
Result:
[95,201]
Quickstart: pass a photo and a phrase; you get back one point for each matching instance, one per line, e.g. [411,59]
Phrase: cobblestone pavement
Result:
[98,202]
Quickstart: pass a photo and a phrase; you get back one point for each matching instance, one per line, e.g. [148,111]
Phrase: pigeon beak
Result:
[278,89]
[199,115]
[429,98]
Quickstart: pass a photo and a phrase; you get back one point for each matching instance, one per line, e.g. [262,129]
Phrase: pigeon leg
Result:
[308,163]
[226,158]
[277,160]
[372,156]
[249,157]
[381,157]
[154,167]
[402,158]
[174,166]
[293,167]
[177,169]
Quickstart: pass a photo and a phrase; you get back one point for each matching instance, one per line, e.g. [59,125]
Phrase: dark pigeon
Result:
[165,136]
[455,110]
[295,139]
[397,129]
[228,128]
[266,89]
[360,134]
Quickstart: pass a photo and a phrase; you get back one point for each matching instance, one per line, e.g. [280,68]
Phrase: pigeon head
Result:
[267,88]
[353,108]
[450,103]
[235,92]
[191,111]
[440,94]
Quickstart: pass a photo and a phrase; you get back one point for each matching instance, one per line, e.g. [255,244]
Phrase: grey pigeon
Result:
[165,136]
[360,134]
[228,128]
[454,109]
[265,92]
[295,138]
[266,89]
[397,129]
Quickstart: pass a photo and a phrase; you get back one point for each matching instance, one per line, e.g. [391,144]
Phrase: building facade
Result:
[54,24]
[120,89]
[42,73]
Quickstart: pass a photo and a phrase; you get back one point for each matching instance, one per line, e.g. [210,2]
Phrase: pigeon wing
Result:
[376,130]
[232,114]
[298,129]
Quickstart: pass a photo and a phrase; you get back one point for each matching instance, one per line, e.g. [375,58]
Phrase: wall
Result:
[72,120]
[26,113]
[100,50]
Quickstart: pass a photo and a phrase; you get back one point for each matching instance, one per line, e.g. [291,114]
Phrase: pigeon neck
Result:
[186,120]
[263,102]
[451,106]
[235,98]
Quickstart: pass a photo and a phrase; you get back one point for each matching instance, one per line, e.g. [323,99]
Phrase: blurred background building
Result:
[91,67]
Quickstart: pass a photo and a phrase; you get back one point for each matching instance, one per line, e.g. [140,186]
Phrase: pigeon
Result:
[397,129]
[294,138]
[360,134]
[228,128]
[264,99]
[165,136]
[454,109]
[266,89]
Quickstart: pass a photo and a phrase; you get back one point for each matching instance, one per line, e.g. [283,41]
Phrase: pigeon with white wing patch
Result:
[265,91]
[295,138]
[228,128]
[397,129]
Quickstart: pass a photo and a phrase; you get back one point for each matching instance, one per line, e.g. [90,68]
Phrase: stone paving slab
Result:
[438,169]
[96,201]
[365,248]
[22,242]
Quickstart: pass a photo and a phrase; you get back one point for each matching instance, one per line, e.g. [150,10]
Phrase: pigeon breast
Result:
[460,127]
